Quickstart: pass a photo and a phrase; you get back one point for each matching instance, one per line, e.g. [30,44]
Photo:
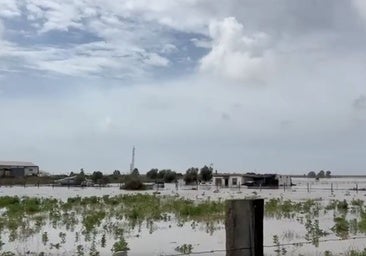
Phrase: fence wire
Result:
[267,246]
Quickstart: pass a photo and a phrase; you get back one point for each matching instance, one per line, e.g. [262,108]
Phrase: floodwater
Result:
[163,237]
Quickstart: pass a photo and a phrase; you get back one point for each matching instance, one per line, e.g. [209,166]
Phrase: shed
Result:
[18,169]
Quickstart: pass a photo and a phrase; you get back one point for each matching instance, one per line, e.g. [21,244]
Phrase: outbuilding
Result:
[251,180]
[18,169]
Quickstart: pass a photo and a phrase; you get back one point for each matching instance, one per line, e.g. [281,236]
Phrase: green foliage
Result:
[97,177]
[356,253]
[184,249]
[191,176]
[120,246]
[116,173]
[206,173]
[341,227]
[152,174]
[134,182]
[311,174]
[135,172]
[93,219]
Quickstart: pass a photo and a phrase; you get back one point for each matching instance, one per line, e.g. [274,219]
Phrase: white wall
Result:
[239,181]
[284,180]
[29,171]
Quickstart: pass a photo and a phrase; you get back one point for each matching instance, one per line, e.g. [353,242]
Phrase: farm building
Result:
[18,169]
[251,180]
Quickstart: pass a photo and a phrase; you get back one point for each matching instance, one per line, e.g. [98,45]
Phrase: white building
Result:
[251,179]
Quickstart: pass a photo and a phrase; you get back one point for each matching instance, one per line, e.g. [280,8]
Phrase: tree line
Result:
[192,176]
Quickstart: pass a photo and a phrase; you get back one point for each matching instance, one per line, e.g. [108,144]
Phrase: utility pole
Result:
[132,165]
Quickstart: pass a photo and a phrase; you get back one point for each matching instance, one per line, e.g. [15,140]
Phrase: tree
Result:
[71,174]
[320,174]
[170,176]
[80,177]
[161,174]
[116,173]
[311,174]
[191,176]
[97,177]
[206,173]
[152,174]
[328,174]
[133,182]
[135,172]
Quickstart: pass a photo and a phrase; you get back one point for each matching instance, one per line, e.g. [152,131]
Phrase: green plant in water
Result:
[185,248]
[314,233]
[120,245]
[356,253]
[80,250]
[103,241]
[44,238]
[341,227]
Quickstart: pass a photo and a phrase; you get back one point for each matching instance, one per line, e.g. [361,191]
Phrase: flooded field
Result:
[325,217]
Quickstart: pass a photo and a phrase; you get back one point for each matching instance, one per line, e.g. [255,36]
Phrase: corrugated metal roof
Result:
[16,163]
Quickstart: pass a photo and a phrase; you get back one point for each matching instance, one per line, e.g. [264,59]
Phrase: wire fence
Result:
[297,244]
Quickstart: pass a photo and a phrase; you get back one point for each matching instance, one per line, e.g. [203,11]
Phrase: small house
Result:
[251,180]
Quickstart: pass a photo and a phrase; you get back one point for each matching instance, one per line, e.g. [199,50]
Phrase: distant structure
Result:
[18,169]
[132,165]
[251,180]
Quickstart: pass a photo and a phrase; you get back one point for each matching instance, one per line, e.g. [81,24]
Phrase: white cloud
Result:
[1,30]
[235,55]
[9,8]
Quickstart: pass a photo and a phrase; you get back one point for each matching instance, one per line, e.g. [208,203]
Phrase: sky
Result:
[245,85]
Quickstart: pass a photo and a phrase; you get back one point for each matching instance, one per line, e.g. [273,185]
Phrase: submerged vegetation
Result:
[99,219]
[88,225]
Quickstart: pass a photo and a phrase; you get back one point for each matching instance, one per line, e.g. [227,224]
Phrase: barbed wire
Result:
[267,246]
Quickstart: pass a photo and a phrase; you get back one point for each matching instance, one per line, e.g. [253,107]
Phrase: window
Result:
[235,181]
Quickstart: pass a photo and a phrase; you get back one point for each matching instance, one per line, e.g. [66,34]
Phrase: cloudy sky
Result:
[247,85]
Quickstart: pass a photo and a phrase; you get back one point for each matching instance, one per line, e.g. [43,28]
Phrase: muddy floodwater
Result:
[325,217]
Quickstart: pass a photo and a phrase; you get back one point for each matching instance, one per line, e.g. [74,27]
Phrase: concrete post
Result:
[244,227]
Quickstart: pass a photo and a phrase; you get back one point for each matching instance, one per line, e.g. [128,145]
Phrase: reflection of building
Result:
[251,180]
[18,169]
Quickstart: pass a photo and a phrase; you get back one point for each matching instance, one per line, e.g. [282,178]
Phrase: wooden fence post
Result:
[244,227]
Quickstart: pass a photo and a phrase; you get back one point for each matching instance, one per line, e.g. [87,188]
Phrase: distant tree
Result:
[206,173]
[116,173]
[133,182]
[320,174]
[170,176]
[161,174]
[311,174]
[97,177]
[152,174]
[80,177]
[71,174]
[191,176]
[135,172]
[328,174]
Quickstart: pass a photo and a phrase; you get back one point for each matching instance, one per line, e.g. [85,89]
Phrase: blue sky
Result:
[247,85]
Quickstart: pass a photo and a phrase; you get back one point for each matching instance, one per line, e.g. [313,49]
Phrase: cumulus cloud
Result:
[9,9]
[234,54]
[64,64]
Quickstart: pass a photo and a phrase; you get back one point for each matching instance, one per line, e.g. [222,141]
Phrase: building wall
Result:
[30,171]
[17,172]
[284,180]
[234,181]
[218,181]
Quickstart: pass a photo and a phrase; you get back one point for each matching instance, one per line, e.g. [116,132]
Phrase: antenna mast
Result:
[132,165]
